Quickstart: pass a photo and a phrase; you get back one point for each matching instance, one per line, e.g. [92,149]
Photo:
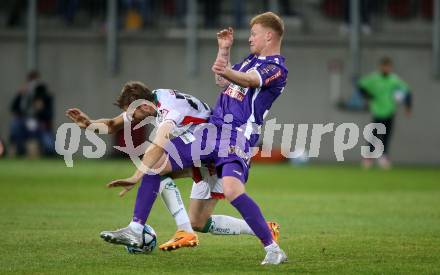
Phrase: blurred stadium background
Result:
[335,216]
[86,50]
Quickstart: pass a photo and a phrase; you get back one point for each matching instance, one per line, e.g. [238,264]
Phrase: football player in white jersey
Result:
[184,110]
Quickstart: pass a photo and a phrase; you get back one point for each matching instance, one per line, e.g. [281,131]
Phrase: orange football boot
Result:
[180,239]
[275,230]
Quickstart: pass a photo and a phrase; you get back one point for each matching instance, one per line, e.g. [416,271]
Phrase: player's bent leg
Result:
[200,211]
[202,205]
[185,236]
[172,199]
[234,191]
[206,191]
[202,220]
[181,238]
[227,225]
[146,195]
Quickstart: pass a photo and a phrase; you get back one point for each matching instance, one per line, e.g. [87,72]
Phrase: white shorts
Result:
[206,185]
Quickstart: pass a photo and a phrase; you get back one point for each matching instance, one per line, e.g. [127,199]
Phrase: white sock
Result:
[136,227]
[272,247]
[185,227]
[173,201]
[227,225]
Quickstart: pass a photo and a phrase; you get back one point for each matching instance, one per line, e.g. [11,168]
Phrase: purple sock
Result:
[251,213]
[146,195]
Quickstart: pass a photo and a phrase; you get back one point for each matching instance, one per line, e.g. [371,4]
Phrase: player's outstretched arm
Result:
[250,79]
[225,39]
[83,120]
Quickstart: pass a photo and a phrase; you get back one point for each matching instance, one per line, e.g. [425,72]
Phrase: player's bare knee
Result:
[232,188]
[231,193]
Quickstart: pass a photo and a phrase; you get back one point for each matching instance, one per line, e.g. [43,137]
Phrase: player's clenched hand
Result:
[225,38]
[220,66]
[79,117]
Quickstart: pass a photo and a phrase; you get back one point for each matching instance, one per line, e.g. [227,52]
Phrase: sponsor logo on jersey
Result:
[272,78]
[236,92]
[267,69]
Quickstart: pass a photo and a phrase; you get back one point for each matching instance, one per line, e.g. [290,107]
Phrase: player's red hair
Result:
[269,20]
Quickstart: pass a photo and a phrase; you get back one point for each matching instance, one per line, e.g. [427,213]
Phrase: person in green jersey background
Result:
[384,91]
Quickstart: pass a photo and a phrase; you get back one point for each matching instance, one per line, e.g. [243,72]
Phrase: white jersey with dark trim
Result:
[182,109]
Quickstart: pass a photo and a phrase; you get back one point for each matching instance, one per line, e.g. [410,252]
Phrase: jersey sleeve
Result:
[270,75]
[402,85]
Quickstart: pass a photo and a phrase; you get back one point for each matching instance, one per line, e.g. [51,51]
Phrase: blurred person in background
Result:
[384,90]
[2,148]
[69,9]
[138,14]
[31,125]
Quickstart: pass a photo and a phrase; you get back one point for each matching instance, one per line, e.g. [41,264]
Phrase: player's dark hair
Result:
[269,20]
[386,61]
[131,91]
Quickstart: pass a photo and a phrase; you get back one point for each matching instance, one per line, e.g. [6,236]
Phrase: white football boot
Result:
[274,255]
[125,236]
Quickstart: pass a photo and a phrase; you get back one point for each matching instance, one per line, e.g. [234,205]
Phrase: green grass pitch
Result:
[334,219]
